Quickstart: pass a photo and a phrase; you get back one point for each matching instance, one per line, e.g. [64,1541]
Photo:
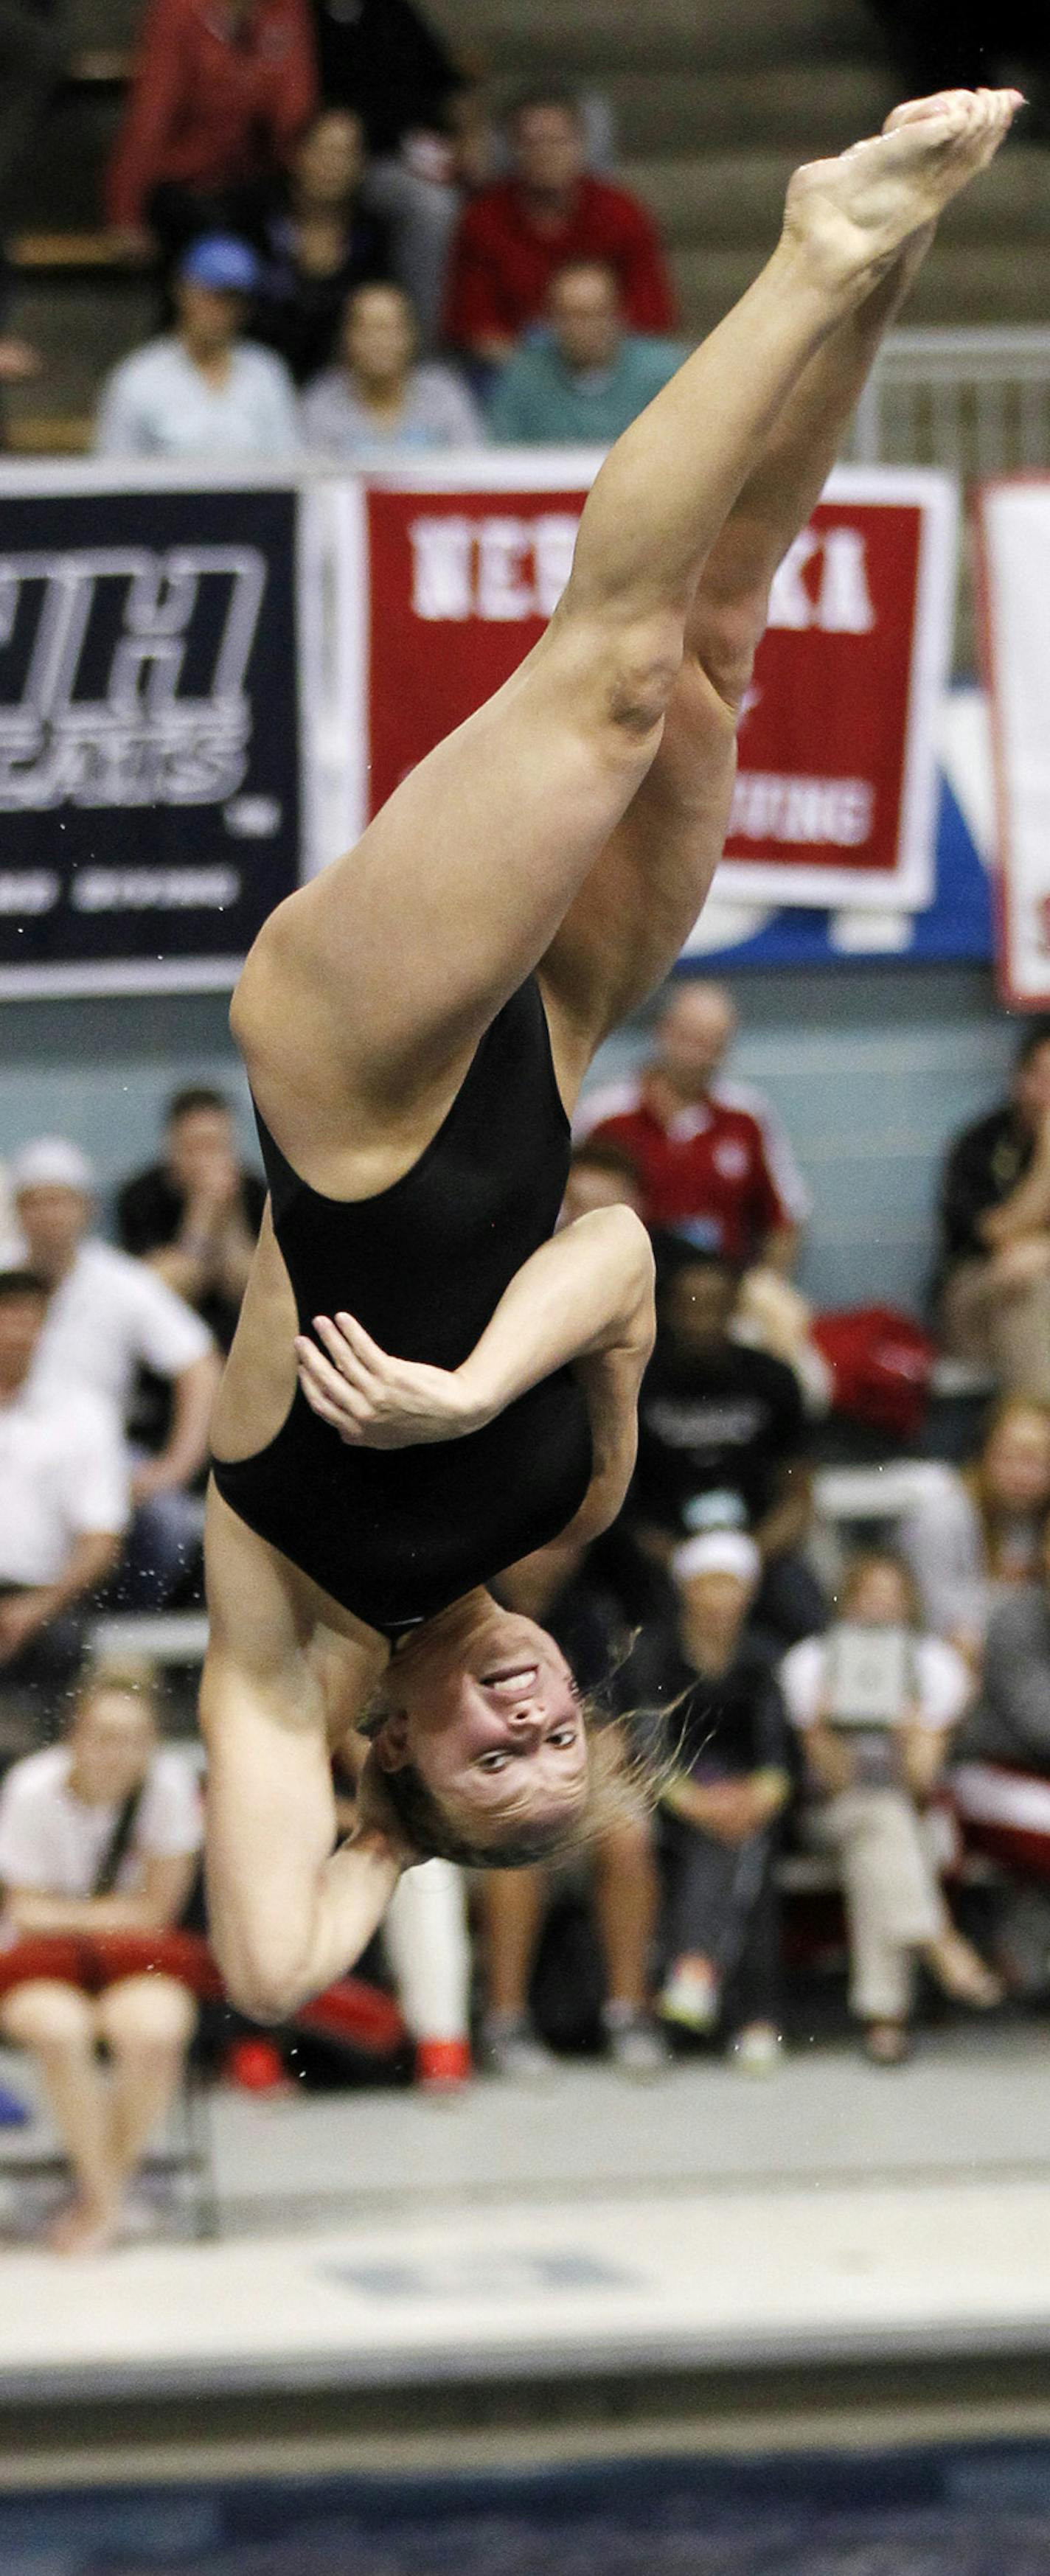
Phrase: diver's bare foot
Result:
[82,2227]
[852,217]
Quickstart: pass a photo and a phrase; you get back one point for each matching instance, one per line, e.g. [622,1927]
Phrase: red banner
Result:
[835,800]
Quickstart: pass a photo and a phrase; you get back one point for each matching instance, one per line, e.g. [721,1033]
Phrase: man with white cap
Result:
[202,390]
[720,1809]
[63,1504]
[108,1316]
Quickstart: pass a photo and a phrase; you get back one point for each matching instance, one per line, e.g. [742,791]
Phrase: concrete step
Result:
[805,109]
[81,328]
[962,284]
[59,183]
[739,196]
[585,36]
[101,25]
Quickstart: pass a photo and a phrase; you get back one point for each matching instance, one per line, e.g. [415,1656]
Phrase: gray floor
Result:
[831,2213]
[974,2103]
[971,2105]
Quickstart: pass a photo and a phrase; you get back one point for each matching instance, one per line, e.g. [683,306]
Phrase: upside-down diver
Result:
[416,1024]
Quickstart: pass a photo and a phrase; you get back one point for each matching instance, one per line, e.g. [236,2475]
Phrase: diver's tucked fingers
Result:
[316,1371]
[361,1343]
[330,1413]
[342,1354]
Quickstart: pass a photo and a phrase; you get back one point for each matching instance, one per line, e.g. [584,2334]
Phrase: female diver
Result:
[416,1023]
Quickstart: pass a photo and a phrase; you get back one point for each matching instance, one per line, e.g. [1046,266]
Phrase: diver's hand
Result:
[373,1401]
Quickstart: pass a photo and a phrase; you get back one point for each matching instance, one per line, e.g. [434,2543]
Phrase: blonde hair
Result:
[1008,1408]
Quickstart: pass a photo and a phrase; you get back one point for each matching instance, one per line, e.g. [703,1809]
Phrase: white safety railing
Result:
[975,402]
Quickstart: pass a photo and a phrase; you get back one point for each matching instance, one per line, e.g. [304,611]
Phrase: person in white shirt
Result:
[98,1835]
[377,399]
[874,1770]
[108,1315]
[63,1502]
[202,390]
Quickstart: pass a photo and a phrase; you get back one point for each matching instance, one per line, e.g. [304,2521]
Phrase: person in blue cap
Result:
[202,390]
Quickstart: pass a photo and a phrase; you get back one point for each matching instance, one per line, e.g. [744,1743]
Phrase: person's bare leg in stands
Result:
[58,2026]
[147,2024]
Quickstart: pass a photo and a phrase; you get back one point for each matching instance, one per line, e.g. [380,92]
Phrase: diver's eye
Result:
[563,1735]
[492,1761]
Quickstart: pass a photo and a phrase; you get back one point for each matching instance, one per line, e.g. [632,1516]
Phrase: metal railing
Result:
[974,402]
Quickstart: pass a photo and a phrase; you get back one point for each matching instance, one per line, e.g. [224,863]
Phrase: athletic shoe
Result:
[442,2065]
[758,2049]
[635,2046]
[690,1998]
[511,2050]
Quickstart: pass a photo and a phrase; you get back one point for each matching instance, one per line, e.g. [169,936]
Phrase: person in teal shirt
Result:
[586,377]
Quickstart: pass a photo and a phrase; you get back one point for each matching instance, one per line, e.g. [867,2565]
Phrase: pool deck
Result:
[832,2212]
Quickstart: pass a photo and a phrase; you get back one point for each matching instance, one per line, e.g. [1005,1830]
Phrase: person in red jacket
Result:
[515,235]
[221,92]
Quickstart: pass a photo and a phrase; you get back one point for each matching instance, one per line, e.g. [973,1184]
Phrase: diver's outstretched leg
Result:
[394,960]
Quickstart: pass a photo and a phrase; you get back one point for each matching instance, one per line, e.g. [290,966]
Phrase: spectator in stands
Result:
[586,377]
[971,1536]
[723,1437]
[219,98]
[108,1317]
[323,242]
[770,1312]
[554,1585]
[1001,1786]
[601,1174]
[378,398]
[63,1504]
[420,191]
[382,59]
[720,1811]
[548,213]
[201,390]
[194,1218]
[426,1941]
[993,1287]
[99,1835]
[876,1701]
[713,1157]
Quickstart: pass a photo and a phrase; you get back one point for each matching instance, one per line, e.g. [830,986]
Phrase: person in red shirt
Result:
[221,92]
[550,211]
[712,1159]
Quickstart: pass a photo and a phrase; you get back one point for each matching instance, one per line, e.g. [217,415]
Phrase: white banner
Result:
[1015,628]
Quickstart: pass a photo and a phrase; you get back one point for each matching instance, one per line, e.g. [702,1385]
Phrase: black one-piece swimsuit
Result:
[397,1534]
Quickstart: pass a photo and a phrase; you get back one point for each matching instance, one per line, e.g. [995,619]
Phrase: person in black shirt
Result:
[723,1435]
[720,1810]
[380,58]
[993,1280]
[324,242]
[195,1217]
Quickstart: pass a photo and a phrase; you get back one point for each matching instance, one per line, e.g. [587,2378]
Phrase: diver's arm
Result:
[584,1296]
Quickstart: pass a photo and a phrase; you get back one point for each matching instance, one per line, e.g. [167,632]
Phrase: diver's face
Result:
[485,1707]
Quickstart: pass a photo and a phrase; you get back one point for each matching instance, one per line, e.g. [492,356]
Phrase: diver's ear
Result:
[390,1745]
